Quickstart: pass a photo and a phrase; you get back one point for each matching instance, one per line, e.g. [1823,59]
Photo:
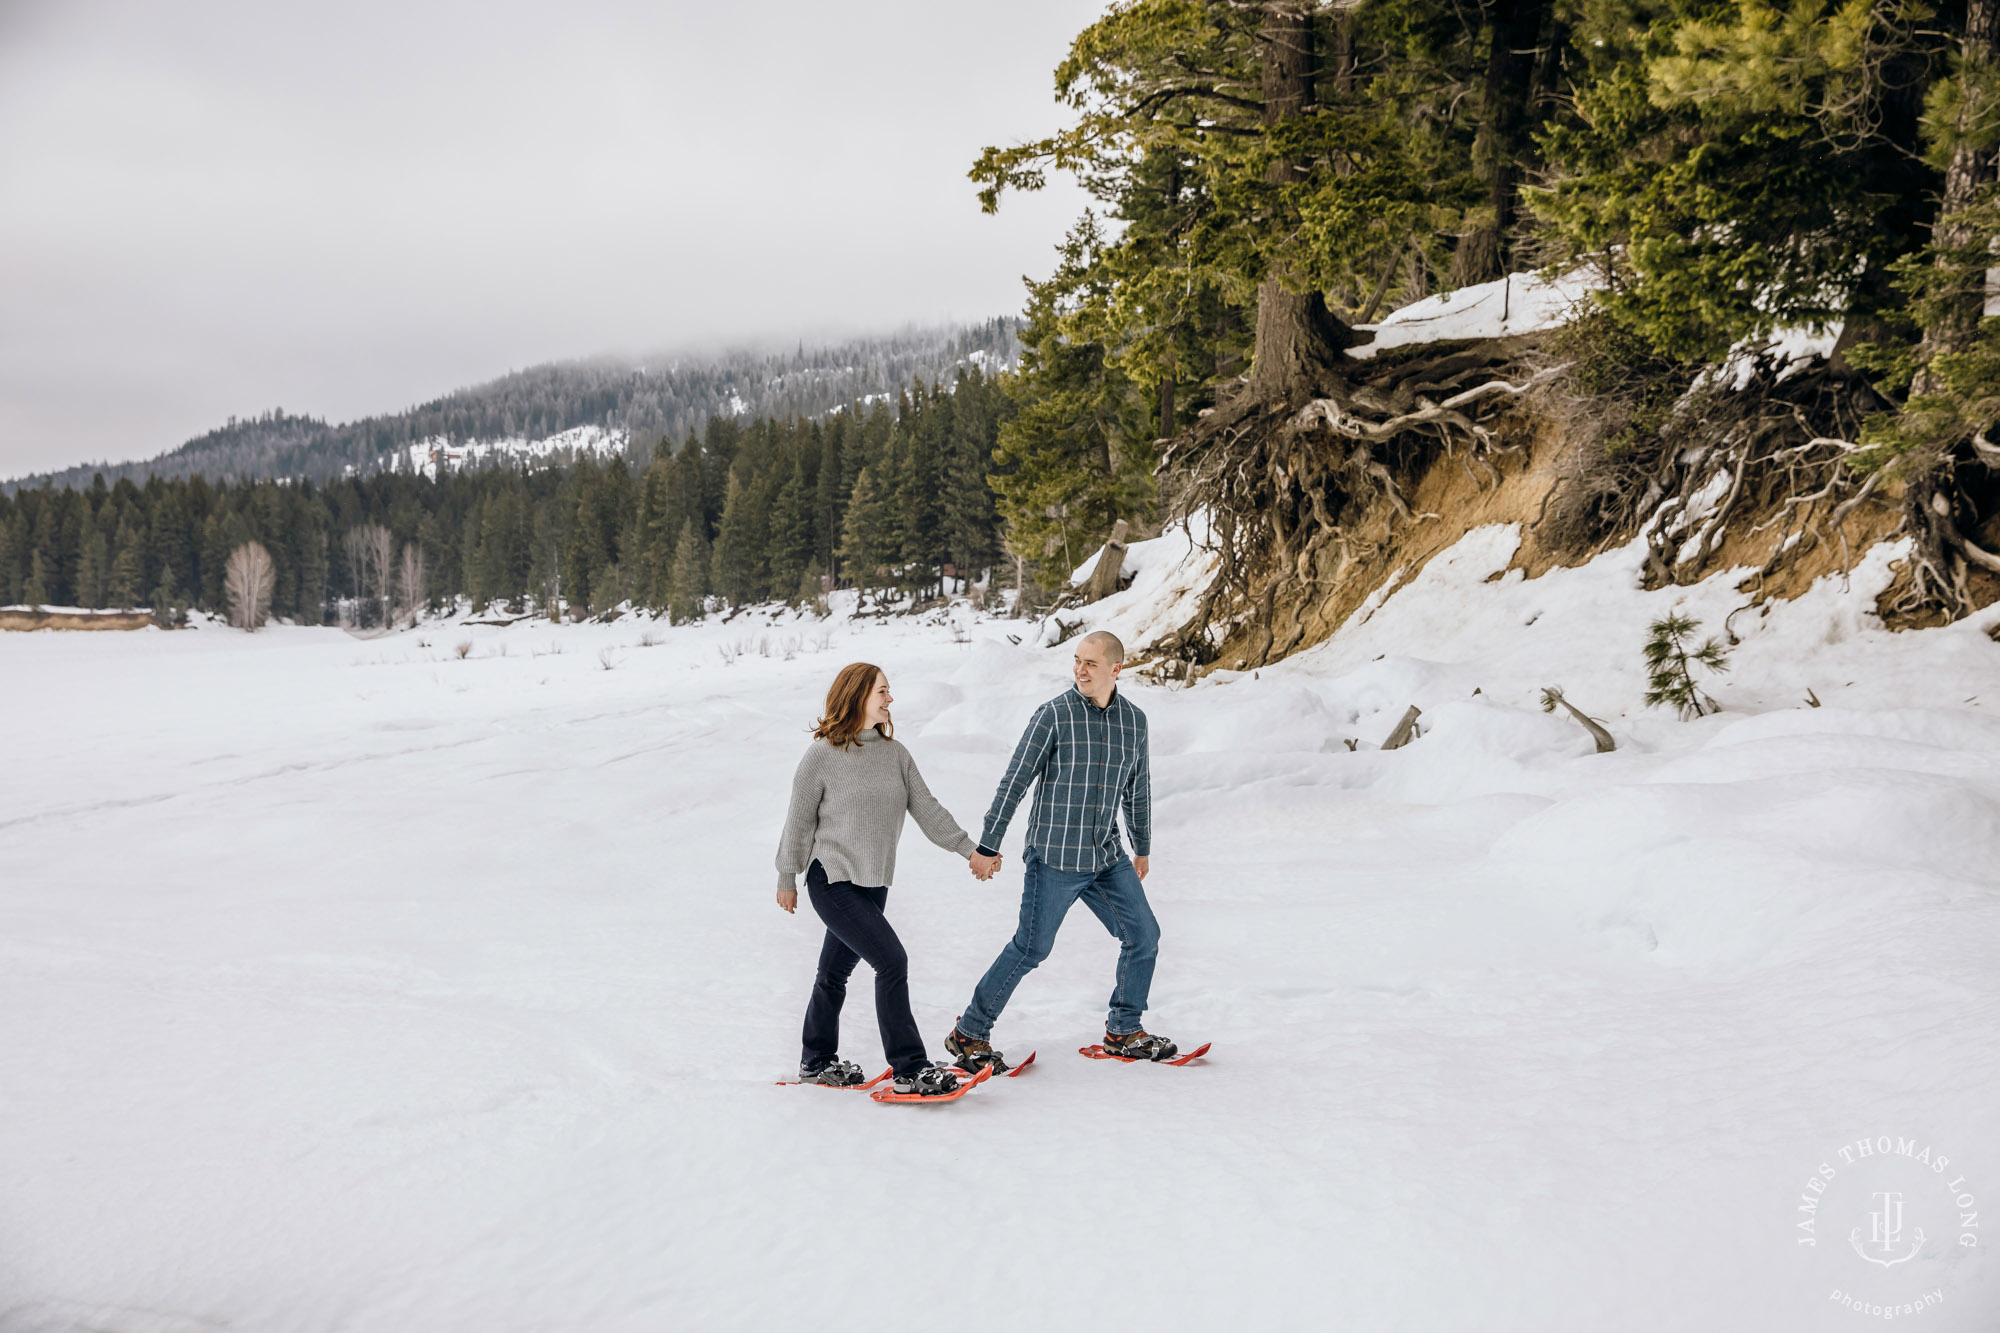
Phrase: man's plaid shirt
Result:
[1091,761]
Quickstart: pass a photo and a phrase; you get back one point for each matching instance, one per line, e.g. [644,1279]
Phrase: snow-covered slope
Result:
[360,985]
[439,455]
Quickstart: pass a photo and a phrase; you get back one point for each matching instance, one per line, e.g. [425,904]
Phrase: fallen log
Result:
[1406,730]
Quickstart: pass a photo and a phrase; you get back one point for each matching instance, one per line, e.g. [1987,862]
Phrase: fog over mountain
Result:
[216,206]
[642,401]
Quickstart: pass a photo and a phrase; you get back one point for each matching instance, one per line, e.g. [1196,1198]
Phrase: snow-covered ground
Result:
[354,985]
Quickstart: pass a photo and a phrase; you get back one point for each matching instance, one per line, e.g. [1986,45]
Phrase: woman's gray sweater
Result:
[847,812]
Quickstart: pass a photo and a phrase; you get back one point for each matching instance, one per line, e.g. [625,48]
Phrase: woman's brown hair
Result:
[846,702]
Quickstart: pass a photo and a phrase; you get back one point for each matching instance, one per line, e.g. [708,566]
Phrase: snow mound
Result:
[1169,573]
[1518,303]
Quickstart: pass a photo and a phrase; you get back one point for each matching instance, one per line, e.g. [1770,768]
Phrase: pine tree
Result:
[690,587]
[790,555]
[868,535]
[738,544]
[127,569]
[93,576]
[35,591]
[831,500]
[1076,455]
[918,489]
[1669,666]
[970,521]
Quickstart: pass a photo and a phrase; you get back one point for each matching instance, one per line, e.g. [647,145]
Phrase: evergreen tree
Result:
[791,540]
[94,570]
[868,537]
[831,499]
[1076,454]
[917,491]
[35,591]
[738,545]
[690,585]
[127,569]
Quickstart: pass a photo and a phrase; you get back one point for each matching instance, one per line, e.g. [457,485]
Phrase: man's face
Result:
[1096,673]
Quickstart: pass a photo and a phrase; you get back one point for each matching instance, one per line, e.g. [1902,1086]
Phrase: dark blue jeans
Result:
[1116,897]
[856,929]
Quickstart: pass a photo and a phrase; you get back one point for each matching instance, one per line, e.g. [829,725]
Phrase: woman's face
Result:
[877,710]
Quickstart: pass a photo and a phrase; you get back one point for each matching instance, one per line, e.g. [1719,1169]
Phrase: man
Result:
[1087,748]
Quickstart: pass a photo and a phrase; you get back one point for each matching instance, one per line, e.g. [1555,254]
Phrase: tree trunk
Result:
[1510,77]
[1343,51]
[1298,338]
[1166,406]
[1510,68]
[1969,169]
[1103,579]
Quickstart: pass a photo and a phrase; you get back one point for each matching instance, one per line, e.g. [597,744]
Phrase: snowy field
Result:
[354,985]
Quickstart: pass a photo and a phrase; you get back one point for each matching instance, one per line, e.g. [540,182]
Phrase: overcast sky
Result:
[213,207]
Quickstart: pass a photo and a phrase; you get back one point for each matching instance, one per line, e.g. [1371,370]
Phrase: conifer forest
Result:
[894,498]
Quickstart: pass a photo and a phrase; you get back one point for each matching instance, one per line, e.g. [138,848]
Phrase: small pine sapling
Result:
[1670,666]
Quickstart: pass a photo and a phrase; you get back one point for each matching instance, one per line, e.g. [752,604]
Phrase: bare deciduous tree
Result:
[413,580]
[246,583]
[370,550]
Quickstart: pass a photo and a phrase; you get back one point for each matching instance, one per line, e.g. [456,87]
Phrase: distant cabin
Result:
[70,617]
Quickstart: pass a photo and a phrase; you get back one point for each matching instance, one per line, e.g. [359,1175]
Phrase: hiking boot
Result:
[1140,1045]
[930,1081]
[835,1073]
[974,1053]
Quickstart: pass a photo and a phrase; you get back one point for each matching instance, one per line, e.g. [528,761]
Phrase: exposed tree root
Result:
[1287,485]
[1300,493]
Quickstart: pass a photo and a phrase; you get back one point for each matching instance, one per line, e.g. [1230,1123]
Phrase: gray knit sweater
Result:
[847,812]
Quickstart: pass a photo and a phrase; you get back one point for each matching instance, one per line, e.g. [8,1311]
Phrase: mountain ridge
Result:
[643,400]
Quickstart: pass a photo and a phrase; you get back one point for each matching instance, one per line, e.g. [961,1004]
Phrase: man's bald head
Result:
[1099,659]
[1105,643]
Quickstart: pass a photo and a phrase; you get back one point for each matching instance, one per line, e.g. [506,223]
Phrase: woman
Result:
[848,800]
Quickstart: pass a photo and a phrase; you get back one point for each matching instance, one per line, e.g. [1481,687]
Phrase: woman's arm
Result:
[801,822]
[931,817]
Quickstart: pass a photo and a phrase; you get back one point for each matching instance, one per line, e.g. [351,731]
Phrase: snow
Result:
[351,985]
[430,456]
[1515,304]
[1167,574]
[1791,349]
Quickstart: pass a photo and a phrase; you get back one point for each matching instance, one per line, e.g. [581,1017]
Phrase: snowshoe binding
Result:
[1140,1045]
[930,1081]
[835,1073]
[974,1053]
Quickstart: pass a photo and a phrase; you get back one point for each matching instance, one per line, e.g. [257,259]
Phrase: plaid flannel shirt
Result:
[1091,761]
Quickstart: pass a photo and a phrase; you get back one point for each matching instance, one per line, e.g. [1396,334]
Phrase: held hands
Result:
[788,899]
[985,867]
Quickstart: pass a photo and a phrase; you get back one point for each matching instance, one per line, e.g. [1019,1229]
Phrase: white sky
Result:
[213,207]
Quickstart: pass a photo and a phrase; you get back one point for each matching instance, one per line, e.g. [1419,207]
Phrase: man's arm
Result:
[1031,755]
[1137,799]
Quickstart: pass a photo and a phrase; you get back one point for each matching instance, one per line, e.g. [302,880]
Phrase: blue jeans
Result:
[1117,898]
